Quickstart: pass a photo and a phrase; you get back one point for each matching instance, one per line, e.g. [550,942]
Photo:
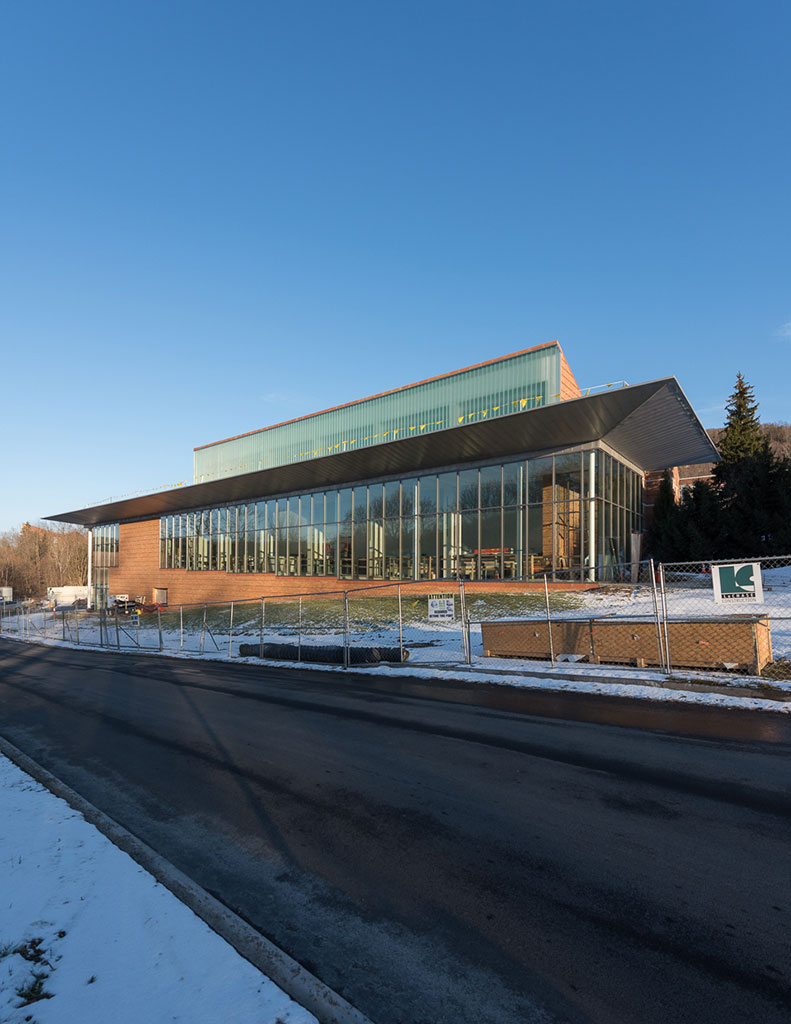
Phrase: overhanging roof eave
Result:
[652,424]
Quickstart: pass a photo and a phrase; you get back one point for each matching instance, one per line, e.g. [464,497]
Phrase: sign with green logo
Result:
[739,583]
[441,608]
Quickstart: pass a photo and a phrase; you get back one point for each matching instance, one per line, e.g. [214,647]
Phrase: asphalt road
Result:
[433,861]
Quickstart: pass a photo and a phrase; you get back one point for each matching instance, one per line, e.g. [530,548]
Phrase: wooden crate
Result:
[740,642]
[529,638]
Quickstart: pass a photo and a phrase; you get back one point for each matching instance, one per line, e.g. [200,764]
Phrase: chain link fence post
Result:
[400,627]
[549,621]
[159,626]
[261,632]
[346,632]
[203,630]
[77,625]
[181,627]
[465,625]
[660,646]
[663,593]
[230,633]
[299,631]
[117,632]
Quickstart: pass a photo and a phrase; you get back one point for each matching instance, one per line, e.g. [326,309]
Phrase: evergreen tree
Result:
[742,437]
[749,495]
[700,524]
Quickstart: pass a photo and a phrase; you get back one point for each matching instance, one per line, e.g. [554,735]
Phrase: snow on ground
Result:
[431,645]
[82,923]
[609,680]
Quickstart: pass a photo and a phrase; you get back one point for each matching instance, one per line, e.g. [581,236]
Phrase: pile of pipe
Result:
[326,654]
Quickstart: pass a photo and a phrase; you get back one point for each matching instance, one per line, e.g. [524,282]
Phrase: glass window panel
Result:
[360,537]
[468,556]
[375,501]
[446,501]
[539,539]
[407,548]
[330,549]
[375,549]
[568,477]
[281,542]
[317,508]
[305,551]
[607,477]
[408,497]
[468,489]
[392,499]
[428,495]
[345,505]
[392,567]
[317,545]
[513,483]
[292,561]
[491,486]
[567,535]
[449,527]
[428,547]
[305,510]
[190,541]
[260,536]
[539,480]
[513,543]
[360,504]
[491,543]
[345,550]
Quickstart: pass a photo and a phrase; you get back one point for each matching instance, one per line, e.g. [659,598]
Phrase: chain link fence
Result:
[733,615]
[699,615]
[615,620]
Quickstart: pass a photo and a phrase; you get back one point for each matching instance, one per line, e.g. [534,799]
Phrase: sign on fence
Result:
[441,609]
[740,582]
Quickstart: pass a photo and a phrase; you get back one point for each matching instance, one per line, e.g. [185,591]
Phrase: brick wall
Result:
[138,573]
[569,388]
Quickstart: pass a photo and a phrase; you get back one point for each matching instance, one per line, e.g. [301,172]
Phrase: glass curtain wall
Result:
[517,383]
[104,558]
[570,516]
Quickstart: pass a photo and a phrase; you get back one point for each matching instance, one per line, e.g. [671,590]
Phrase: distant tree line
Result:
[33,558]
[747,509]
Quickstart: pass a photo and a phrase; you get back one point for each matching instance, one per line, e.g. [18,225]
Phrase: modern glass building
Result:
[556,514]
[500,472]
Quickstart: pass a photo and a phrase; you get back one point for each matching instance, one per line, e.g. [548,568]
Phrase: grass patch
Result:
[780,669]
[325,615]
[33,990]
[30,951]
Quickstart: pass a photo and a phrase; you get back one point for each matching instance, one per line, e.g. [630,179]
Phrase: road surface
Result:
[434,861]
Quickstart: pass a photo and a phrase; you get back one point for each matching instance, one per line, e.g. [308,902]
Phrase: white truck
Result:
[66,595]
[6,595]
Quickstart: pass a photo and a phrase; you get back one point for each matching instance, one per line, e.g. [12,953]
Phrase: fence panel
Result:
[733,615]
[409,620]
[614,620]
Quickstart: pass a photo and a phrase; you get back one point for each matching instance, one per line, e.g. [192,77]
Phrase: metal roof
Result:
[652,425]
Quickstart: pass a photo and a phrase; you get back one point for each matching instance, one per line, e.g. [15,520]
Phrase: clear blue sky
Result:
[217,216]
